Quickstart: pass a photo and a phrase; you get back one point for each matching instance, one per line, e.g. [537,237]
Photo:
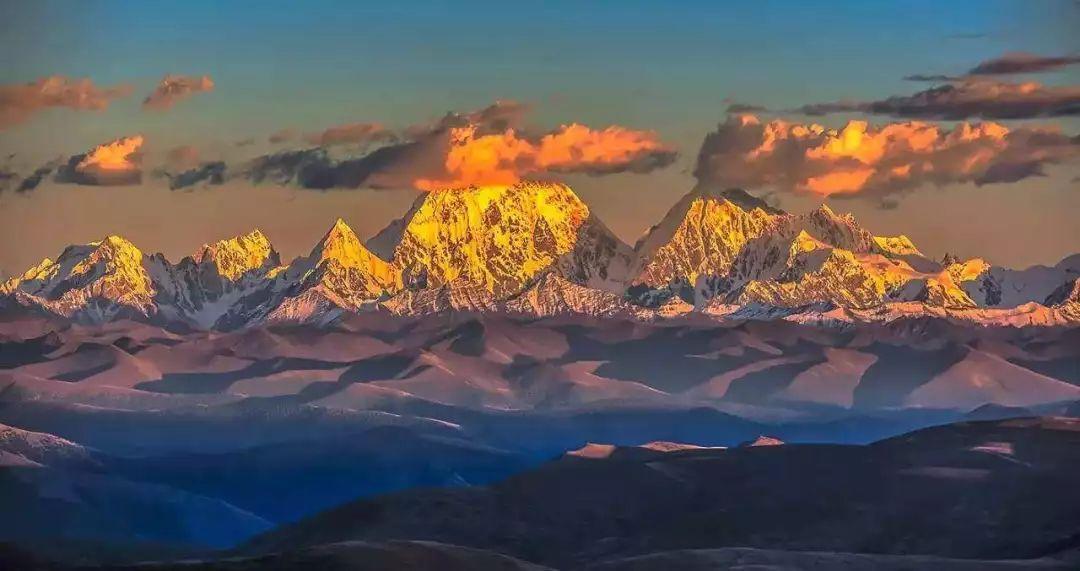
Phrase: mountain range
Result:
[536,249]
[429,438]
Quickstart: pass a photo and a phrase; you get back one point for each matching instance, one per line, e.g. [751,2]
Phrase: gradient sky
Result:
[671,68]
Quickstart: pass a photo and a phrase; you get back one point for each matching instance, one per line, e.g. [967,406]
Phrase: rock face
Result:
[218,274]
[339,274]
[536,248]
[733,248]
[231,283]
[553,294]
[702,234]
[1067,294]
[343,269]
[550,295]
[994,286]
[97,281]
[815,271]
[502,238]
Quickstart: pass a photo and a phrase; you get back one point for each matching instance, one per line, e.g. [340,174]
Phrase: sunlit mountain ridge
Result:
[535,248]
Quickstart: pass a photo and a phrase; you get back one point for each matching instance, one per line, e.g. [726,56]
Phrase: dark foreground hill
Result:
[978,490]
[975,495]
[350,556]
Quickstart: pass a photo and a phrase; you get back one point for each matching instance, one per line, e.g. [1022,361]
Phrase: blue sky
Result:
[669,67]
[665,66]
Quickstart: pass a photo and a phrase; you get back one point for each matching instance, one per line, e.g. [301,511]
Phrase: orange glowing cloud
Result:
[860,158]
[505,157]
[174,88]
[489,146]
[576,147]
[21,101]
[114,163]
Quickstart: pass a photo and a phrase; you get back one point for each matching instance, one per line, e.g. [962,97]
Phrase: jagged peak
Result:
[735,196]
[484,195]
[702,233]
[1068,292]
[804,242]
[254,237]
[342,244]
[114,242]
[840,230]
[487,193]
[252,241]
[967,269]
[340,226]
[826,212]
[341,248]
[112,247]
[115,248]
[501,236]
[234,257]
[899,245]
[340,230]
[112,268]
[36,270]
[811,254]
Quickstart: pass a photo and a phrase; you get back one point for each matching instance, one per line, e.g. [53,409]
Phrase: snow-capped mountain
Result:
[98,281]
[537,249]
[553,294]
[702,234]
[995,286]
[501,238]
[731,245]
[213,279]
[1068,293]
[815,271]
[339,274]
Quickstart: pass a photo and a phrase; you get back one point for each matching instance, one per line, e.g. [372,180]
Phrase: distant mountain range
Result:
[536,249]
[129,441]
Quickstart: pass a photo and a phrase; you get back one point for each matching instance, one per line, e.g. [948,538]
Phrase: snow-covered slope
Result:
[536,248]
[815,271]
[553,294]
[550,294]
[339,274]
[501,238]
[210,281]
[701,235]
[995,286]
[97,282]
[732,246]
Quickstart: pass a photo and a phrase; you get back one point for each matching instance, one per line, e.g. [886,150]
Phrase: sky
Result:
[631,103]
